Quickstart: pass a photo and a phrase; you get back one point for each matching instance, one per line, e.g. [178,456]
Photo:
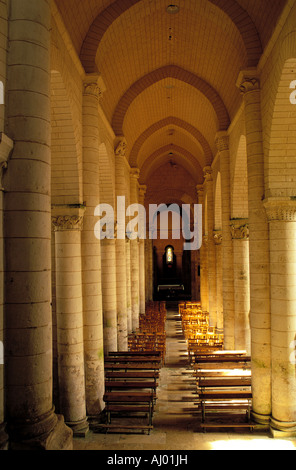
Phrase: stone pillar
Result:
[211,254]
[203,255]
[109,294]
[259,251]
[121,256]
[219,280]
[32,422]
[240,238]
[222,143]
[91,251]
[128,286]
[6,146]
[149,267]
[134,244]
[142,277]
[69,315]
[282,225]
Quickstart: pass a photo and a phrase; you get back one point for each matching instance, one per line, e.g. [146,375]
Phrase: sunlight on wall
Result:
[253,444]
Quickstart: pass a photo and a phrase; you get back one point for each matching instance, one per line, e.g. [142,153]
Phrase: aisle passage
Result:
[177,390]
[176,420]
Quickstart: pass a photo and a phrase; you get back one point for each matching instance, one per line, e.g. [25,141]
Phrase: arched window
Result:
[169,255]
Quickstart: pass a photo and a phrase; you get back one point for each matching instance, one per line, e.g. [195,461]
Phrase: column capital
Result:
[94,85]
[280,209]
[248,80]
[222,141]
[120,147]
[142,190]
[239,229]
[135,173]
[208,174]
[67,217]
[217,234]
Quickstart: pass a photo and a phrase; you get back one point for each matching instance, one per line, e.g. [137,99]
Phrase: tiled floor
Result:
[176,421]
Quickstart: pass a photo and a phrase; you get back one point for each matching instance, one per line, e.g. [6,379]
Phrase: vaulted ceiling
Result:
[170,77]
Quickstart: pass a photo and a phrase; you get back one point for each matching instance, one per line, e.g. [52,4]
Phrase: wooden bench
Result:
[131,403]
[135,353]
[208,383]
[225,400]
[133,358]
[132,375]
[127,366]
[130,385]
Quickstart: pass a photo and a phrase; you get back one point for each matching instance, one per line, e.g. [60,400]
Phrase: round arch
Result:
[208,156]
[231,8]
[181,156]
[170,71]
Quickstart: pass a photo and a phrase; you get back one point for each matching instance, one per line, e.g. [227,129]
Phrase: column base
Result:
[59,437]
[260,419]
[79,428]
[281,429]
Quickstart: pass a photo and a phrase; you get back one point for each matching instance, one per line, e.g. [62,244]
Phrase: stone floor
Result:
[176,422]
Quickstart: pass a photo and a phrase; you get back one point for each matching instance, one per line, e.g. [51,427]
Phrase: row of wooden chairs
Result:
[197,331]
[150,335]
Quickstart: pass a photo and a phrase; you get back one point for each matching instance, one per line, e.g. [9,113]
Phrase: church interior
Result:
[124,334]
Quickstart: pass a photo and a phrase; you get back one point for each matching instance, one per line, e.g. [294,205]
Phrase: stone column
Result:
[32,422]
[260,320]
[128,286]
[142,192]
[6,146]
[134,244]
[219,280]
[211,255]
[109,294]
[240,238]
[222,143]
[149,267]
[282,224]
[121,256]
[69,315]
[203,255]
[91,251]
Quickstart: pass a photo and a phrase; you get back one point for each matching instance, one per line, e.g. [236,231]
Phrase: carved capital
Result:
[222,141]
[280,209]
[121,148]
[94,85]
[67,217]
[67,222]
[218,237]
[142,190]
[248,81]
[208,173]
[239,230]
[135,173]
